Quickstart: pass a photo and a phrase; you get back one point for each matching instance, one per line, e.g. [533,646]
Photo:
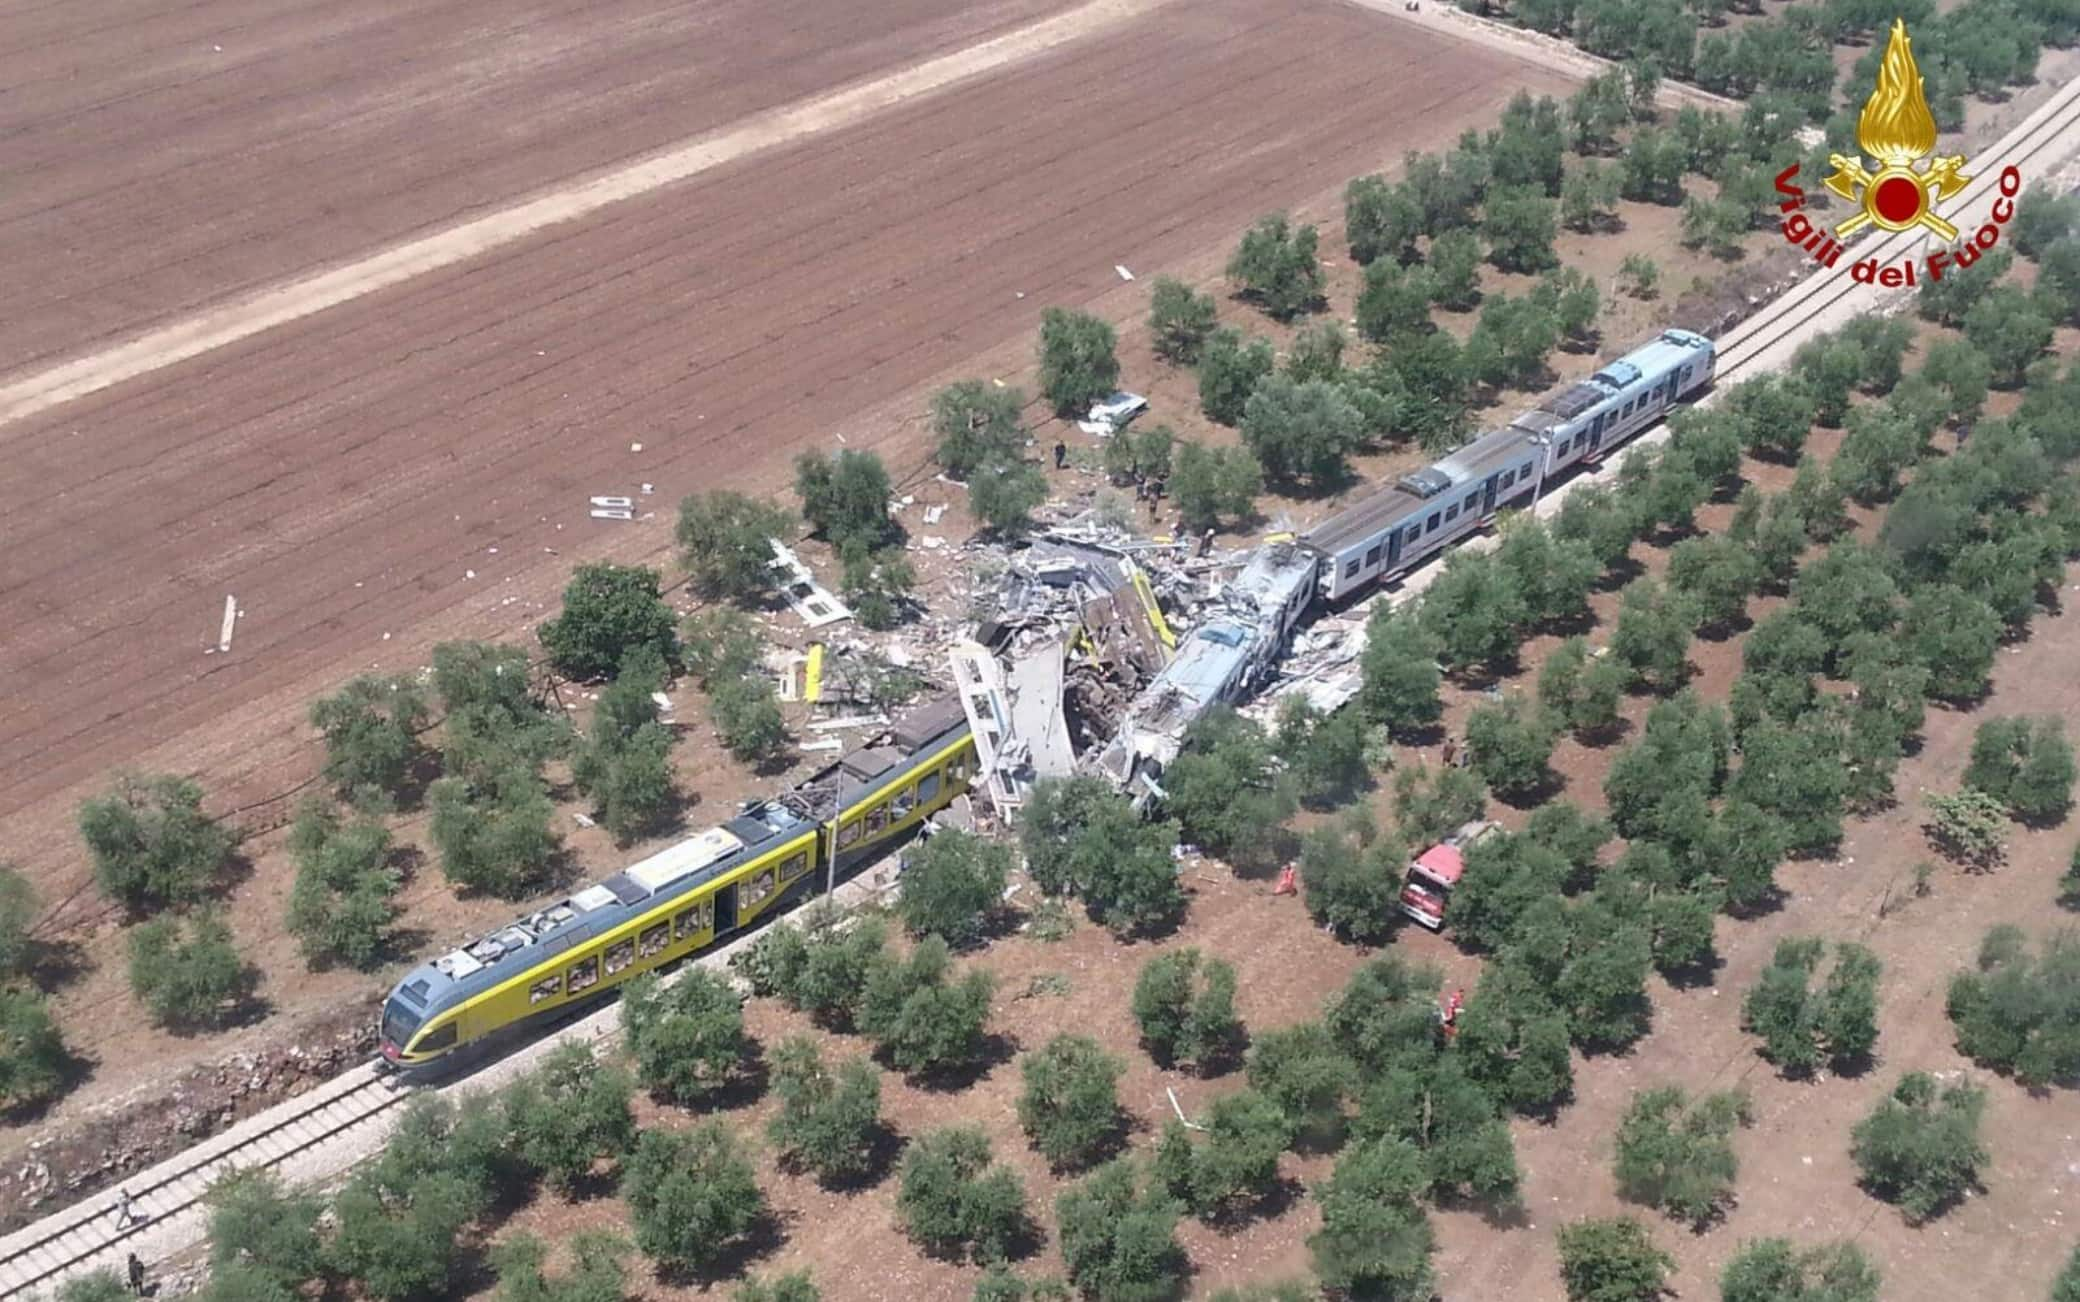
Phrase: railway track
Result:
[169,1197]
[318,1134]
[1768,338]
[311,1139]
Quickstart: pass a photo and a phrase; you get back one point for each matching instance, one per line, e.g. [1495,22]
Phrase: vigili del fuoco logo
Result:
[1897,131]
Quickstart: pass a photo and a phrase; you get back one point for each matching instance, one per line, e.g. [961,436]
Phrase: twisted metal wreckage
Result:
[1100,650]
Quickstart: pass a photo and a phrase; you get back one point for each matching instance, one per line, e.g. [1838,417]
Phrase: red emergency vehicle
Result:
[1435,872]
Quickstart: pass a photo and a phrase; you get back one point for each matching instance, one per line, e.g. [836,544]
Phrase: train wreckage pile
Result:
[1091,651]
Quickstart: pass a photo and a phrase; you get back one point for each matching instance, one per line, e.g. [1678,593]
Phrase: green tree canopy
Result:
[725,540]
[371,731]
[609,611]
[1919,1148]
[952,886]
[692,1195]
[1078,365]
[830,1118]
[975,423]
[845,498]
[1277,268]
[151,843]
[1186,1009]
[688,1041]
[1179,320]
[956,1200]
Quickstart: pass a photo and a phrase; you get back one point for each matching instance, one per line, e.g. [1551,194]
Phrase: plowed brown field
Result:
[342,473]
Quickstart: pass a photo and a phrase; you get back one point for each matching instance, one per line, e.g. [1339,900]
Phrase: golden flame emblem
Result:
[1897,130]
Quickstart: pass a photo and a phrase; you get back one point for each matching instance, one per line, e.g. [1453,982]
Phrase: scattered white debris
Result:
[827,743]
[635,447]
[932,542]
[848,721]
[1124,274]
[1179,1110]
[663,702]
[1021,293]
[582,821]
[469,574]
[934,514]
[810,599]
[493,551]
[648,489]
[386,637]
[230,622]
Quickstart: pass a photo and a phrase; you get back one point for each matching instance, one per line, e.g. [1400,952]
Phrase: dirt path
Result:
[163,164]
[242,320]
[1563,57]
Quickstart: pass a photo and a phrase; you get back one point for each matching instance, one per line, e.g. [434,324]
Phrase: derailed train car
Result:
[688,897]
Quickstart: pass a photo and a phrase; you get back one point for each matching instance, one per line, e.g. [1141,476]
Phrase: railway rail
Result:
[312,1138]
[169,1197]
[318,1134]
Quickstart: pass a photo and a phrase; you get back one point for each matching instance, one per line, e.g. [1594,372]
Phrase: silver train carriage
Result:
[1390,532]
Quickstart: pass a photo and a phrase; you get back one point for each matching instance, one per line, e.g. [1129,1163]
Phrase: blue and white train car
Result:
[1385,535]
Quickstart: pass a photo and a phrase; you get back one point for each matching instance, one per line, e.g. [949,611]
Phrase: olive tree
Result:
[692,1195]
[1070,1104]
[956,1200]
[1078,365]
[1776,1270]
[609,611]
[952,885]
[188,972]
[1612,1260]
[1186,1008]
[726,542]
[2020,1012]
[371,731]
[1674,1153]
[1919,1148]
[152,845]
[829,1120]
[688,1041]
[975,423]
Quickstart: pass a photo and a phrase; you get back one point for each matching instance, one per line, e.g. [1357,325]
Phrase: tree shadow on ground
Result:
[767,1235]
[993,1052]
[884,1145]
[1281,1196]
[745,1086]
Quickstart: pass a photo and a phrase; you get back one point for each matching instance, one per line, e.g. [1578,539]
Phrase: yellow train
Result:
[687,897]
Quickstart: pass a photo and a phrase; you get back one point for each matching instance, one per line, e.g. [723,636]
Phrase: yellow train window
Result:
[653,939]
[905,801]
[877,818]
[794,867]
[848,834]
[928,787]
[621,955]
[758,888]
[584,975]
[547,988]
[439,1038]
[692,921]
